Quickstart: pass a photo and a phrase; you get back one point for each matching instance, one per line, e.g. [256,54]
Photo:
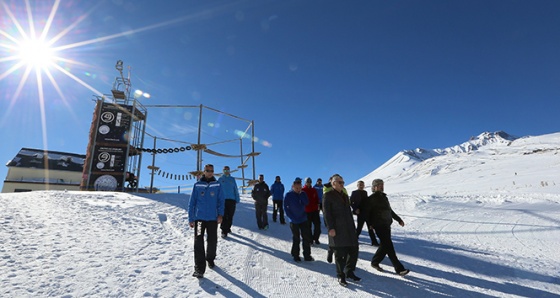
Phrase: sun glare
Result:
[36,53]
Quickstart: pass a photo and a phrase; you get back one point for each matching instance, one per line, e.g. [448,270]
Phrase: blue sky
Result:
[332,86]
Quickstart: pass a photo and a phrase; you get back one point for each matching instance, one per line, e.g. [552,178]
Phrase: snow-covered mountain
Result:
[489,163]
[471,145]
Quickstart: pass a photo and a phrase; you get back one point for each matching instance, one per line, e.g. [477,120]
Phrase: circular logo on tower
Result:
[107,117]
[105,183]
[104,129]
[104,156]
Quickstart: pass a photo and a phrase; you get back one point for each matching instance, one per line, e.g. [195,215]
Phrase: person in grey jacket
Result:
[380,216]
[260,194]
[342,231]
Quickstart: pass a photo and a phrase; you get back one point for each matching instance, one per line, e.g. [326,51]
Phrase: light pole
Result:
[153,167]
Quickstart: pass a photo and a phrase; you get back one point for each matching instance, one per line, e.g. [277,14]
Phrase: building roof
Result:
[45,159]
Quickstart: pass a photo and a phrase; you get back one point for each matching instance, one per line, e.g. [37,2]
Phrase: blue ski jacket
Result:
[229,187]
[319,189]
[207,200]
[294,205]
[277,190]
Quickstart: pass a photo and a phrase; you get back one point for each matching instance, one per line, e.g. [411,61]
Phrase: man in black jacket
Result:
[260,194]
[359,201]
[380,216]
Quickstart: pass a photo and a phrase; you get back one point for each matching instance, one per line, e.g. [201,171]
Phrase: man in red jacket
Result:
[312,209]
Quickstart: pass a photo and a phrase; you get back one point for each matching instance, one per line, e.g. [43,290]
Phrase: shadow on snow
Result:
[384,284]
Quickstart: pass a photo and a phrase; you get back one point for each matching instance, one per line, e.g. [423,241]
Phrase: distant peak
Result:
[473,144]
[494,136]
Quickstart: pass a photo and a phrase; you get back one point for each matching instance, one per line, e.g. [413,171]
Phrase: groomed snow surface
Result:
[77,244]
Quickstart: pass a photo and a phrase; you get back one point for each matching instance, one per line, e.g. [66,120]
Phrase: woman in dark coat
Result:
[342,230]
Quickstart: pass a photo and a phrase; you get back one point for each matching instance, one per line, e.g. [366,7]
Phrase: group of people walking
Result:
[214,201]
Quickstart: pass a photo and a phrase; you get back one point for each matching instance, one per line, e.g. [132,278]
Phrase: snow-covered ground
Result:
[482,223]
[76,244]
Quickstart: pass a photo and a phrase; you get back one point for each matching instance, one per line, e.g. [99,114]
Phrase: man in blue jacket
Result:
[319,187]
[231,195]
[294,204]
[206,209]
[277,190]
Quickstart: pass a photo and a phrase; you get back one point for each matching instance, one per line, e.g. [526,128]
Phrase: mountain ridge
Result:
[473,144]
[494,161]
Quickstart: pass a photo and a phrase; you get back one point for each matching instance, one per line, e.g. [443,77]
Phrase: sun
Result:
[32,44]
[36,53]
[30,47]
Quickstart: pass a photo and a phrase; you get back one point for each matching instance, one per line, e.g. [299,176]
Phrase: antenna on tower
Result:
[121,86]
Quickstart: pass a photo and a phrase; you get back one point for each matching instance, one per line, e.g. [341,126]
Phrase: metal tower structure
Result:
[113,162]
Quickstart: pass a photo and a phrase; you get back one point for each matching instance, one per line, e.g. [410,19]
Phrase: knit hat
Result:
[377,182]
[297,180]
[308,179]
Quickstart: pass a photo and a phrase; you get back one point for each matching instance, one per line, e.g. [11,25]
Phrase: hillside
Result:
[491,163]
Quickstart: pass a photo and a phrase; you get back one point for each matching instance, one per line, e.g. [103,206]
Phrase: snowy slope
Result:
[492,163]
[78,244]
[470,232]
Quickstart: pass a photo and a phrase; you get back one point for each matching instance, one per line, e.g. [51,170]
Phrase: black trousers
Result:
[361,221]
[301,232]
[200,255]
[227,219]
[261,213]
[314,224]
[386,248]
[278,207]
[345,258]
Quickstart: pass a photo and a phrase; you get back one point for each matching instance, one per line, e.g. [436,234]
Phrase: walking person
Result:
[206,210]
[359,200]
[319,187]
[231,195]
[277,189]
[260,194]
[380,216]
[342,231]
[294,204]
[312,210]
[326,188]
